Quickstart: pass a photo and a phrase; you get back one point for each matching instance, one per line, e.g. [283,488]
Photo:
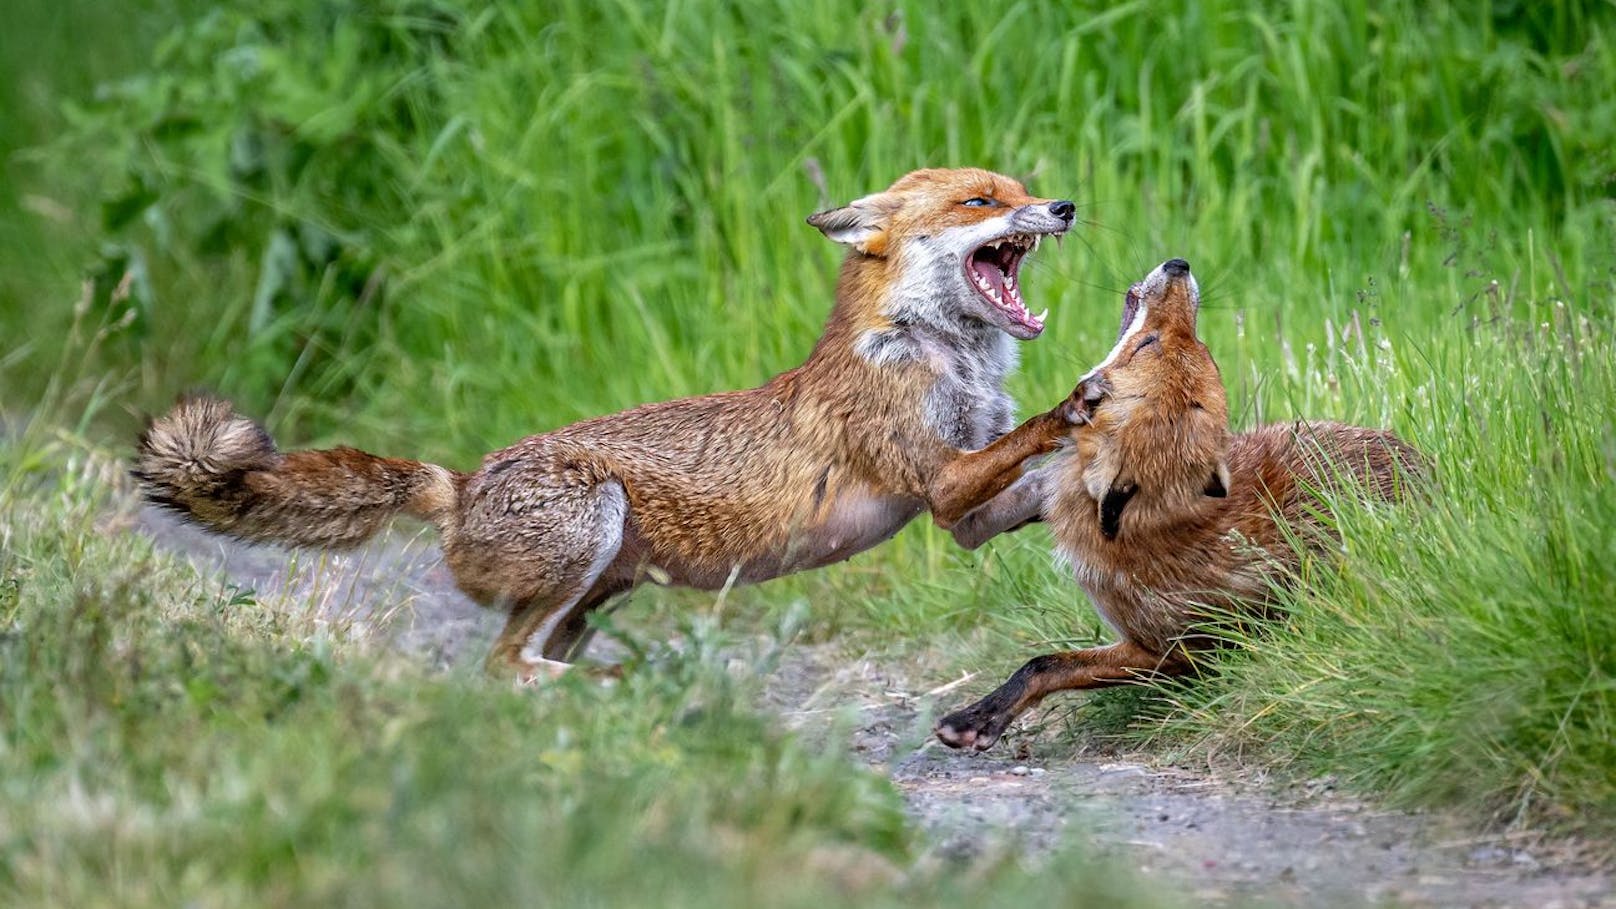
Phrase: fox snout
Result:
[1170,279]
[1045,217]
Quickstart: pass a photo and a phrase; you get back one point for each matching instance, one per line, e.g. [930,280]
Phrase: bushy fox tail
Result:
[222,471]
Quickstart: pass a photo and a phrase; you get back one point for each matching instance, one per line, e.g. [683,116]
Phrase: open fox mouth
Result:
[994,269]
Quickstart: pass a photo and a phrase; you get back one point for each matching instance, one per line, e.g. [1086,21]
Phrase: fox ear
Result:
[1218,485]
[861,224]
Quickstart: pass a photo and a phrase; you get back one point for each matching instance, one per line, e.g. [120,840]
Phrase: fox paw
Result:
[1079,406]
[534,673]
[531,673]
[976,727]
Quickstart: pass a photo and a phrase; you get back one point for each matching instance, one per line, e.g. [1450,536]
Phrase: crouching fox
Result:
[1167,520]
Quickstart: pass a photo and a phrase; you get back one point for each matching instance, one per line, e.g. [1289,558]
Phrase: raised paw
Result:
[976,727]
[1079,406]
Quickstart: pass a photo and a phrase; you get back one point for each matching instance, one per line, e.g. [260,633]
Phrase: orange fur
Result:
[1167,521]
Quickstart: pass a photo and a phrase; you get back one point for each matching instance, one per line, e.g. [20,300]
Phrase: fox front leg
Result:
[1017,506]
[979,726]
[973,477]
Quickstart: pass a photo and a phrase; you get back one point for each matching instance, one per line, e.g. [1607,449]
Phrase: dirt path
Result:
[1215,840]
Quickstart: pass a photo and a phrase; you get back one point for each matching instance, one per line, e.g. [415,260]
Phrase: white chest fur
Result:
[966,404]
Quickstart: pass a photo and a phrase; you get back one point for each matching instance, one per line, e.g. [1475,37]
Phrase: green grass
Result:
[430,229]
[438,230]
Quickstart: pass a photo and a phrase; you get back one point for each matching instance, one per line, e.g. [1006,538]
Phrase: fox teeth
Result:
[1042,316]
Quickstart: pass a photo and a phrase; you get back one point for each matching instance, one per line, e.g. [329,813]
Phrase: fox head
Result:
[1152,418]
[951,243]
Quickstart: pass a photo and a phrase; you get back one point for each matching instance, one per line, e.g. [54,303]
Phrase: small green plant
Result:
[264,144]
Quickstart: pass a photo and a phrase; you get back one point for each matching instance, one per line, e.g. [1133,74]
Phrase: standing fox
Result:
[1166,520]
[891,415]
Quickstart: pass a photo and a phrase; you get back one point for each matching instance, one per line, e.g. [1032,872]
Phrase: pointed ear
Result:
[861,224]
[1217,486]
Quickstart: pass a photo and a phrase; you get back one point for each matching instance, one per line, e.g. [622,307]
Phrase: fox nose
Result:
[1063,209]
[1178,268]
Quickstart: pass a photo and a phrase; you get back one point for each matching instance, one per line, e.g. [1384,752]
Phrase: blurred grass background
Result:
[429,228]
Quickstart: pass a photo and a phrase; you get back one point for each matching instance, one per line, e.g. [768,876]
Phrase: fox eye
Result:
[978,202]
[1148,340]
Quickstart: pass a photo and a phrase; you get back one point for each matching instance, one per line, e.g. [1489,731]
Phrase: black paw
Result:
[976,727]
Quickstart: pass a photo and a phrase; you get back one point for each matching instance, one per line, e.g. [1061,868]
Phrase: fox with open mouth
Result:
[899,409]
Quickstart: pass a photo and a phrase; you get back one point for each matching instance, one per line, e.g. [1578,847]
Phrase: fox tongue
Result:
[994,275]
[990,275]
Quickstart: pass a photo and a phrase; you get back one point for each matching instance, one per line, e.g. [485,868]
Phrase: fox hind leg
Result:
[542,640]
[569,640]
[550,571]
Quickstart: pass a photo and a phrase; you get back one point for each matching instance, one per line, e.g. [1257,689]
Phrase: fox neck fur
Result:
[900,319]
